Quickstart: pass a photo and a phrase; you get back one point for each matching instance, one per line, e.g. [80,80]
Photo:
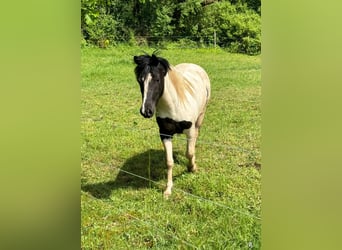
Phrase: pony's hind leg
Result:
[169,163]
[190,152]
[192,135]
[200,120]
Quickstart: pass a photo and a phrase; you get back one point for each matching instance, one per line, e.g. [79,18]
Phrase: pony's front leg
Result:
[190,152]
[169,163]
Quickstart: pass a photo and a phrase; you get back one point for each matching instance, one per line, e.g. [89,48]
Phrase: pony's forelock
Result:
[145,62]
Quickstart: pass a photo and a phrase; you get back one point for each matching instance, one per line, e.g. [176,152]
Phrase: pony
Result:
[178,95]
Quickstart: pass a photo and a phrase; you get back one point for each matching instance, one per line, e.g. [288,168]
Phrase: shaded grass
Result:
[122,211]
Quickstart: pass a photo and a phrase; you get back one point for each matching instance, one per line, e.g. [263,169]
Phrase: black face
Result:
[151,88]
[150,72]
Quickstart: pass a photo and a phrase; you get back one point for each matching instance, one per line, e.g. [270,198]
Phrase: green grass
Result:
[216,208]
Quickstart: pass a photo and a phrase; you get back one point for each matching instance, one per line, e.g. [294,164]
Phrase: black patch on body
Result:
[169,127]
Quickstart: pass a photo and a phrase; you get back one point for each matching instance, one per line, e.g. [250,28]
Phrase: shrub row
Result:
[188,23]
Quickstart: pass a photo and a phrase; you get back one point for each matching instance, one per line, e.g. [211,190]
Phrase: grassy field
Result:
[123,172]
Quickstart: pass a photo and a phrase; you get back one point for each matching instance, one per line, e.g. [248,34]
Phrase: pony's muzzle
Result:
[147,112]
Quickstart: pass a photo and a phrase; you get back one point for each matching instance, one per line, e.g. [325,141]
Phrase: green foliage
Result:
[102,31]
[236,23]
[252,4]
[104,23]
[190,18]
[161,26]
[237,27]
[89,12]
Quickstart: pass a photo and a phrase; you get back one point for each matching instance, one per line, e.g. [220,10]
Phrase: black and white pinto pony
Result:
[179,96]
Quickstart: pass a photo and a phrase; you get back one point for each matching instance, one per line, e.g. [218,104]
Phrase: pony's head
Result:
[150,72]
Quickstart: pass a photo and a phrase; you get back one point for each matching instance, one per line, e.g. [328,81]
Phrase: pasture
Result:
[123,172]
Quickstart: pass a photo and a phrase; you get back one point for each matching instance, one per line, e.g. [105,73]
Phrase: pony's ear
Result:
[136,59]
[165,65]
[154,60]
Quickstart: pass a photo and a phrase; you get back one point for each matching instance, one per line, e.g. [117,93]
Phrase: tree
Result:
[237,27]
[236,22]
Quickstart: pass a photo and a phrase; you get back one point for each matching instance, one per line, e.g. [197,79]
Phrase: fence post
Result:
[214,38]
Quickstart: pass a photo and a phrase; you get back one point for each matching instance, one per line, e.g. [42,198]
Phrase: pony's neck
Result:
[179,84]
[174,95]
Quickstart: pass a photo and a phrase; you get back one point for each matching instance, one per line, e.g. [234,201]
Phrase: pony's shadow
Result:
[134,173]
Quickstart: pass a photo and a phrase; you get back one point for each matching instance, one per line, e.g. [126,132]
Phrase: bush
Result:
[236,27]
[102,31]
[250,45]
[236,23]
